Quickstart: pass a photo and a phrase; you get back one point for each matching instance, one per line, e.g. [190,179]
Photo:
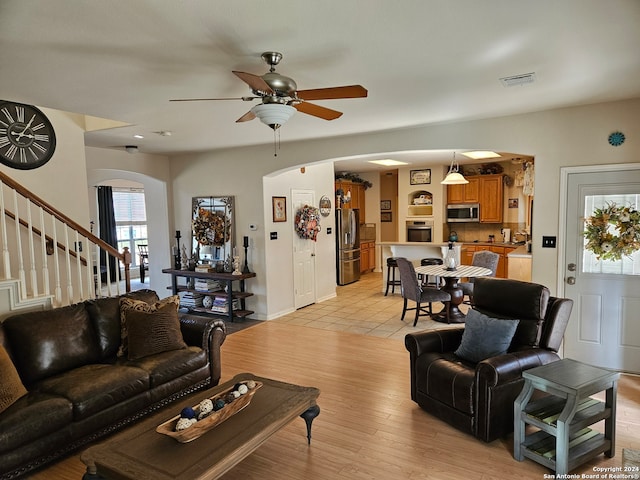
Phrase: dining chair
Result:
[483,258]
[143,254]
[423,296]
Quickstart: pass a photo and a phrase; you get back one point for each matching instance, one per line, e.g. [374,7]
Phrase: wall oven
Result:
[465,212]
[420,231]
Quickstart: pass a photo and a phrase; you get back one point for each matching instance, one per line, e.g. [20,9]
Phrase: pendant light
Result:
[454,177]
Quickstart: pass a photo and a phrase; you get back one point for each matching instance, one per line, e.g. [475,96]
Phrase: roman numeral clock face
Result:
[27,139]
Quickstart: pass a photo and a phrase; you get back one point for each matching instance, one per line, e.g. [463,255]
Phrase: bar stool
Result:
[392,264]
[425,278]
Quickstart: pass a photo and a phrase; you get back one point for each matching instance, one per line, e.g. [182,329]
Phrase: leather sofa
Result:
[477,397]
[79,389]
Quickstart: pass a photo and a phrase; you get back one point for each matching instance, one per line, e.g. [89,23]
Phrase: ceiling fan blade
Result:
[318,111]
[246,117]
[256,82]
[349,91]
[244,99]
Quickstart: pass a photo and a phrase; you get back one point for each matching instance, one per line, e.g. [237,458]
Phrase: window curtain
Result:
[107,229]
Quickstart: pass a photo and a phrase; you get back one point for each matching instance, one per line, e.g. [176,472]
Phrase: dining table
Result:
[451,278]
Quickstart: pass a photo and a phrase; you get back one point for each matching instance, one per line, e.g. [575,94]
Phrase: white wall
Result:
[278,253]
[152,171]
[556,138]
[62,181]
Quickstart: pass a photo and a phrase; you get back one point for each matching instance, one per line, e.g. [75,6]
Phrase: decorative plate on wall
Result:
[616,139]
[325,206]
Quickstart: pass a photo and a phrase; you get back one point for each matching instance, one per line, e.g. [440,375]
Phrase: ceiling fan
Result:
[280,97]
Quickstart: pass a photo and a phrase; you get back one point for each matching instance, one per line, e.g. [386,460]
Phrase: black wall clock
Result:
[27,138]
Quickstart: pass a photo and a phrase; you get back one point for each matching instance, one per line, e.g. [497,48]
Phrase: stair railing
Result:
[49,254]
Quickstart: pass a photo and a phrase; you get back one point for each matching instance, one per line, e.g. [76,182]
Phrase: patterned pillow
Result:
[11,387]
[127,304]
[153,332]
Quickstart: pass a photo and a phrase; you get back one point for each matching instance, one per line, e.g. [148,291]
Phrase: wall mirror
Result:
[213,228]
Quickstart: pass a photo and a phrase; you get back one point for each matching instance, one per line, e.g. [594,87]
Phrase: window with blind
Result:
[131,220]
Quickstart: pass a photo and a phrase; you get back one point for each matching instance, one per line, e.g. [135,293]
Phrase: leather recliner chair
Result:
[478,397]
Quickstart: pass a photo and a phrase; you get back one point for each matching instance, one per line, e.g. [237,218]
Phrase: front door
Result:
[604,329]
[304,265]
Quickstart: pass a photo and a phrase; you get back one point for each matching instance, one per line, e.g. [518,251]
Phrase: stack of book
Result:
[191,299]
[221,305]
[207,285]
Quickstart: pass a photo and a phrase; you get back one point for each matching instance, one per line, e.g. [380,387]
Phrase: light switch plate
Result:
[548,242]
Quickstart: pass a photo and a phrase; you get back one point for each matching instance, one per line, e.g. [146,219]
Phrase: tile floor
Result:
[361,307]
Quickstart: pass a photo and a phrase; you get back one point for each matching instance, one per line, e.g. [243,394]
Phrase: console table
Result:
[563,440]
[228,292]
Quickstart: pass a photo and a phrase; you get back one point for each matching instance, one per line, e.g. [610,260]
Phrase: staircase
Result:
[48,260]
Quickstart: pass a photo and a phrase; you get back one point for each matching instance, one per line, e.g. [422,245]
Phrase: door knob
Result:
[571,280]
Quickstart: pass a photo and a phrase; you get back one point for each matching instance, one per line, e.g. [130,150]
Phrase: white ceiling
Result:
[423,62]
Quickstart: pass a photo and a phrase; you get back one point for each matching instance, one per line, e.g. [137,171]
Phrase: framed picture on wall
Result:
[279,208]
[385,217]
[420,177]
[385,204]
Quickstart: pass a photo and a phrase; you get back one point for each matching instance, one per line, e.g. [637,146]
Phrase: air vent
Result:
[515,80]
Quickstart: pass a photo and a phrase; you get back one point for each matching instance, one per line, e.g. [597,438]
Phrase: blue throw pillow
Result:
[485,337]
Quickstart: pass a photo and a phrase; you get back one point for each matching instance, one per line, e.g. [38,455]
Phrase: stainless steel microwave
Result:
[464,212]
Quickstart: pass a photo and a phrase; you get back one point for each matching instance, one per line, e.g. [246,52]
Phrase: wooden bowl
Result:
[209,422]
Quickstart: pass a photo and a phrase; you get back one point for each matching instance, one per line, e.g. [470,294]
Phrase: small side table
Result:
[563,440]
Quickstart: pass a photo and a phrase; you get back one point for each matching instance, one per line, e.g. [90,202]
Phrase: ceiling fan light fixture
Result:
[273,114]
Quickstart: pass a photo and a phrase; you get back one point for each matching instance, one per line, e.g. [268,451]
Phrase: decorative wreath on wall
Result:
[613,232]
[307,222]
[211,228]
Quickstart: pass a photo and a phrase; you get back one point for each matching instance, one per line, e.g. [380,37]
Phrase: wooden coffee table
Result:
[140,453]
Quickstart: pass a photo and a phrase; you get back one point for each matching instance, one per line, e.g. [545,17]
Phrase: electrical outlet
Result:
[548,242]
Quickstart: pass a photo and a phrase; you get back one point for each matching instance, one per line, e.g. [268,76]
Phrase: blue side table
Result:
[563,439]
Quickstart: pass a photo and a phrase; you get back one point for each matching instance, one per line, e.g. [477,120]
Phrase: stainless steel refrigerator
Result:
[348,245]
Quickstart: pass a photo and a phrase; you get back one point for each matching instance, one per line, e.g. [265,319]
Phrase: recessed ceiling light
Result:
[137,135]
[481,154]
[387,162]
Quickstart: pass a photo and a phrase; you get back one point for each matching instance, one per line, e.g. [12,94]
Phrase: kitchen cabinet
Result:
[486,190]
[367,256]
[491,198]
[357,200]
[502,270]
[466,193]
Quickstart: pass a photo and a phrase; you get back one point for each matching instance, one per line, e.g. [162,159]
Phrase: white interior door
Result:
[304,256]
[604,329]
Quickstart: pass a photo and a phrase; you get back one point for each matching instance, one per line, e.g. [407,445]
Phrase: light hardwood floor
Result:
[368,427]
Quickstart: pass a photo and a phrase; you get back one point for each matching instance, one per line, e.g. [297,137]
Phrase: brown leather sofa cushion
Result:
[93,388]
[47,343]
[32,417]
[11,387]
[105,315]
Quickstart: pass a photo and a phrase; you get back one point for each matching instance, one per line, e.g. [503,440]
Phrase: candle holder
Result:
[245,268]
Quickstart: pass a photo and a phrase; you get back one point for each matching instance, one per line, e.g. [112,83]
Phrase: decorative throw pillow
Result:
[11,387]
[127,304]
[153,332]
[485,337]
